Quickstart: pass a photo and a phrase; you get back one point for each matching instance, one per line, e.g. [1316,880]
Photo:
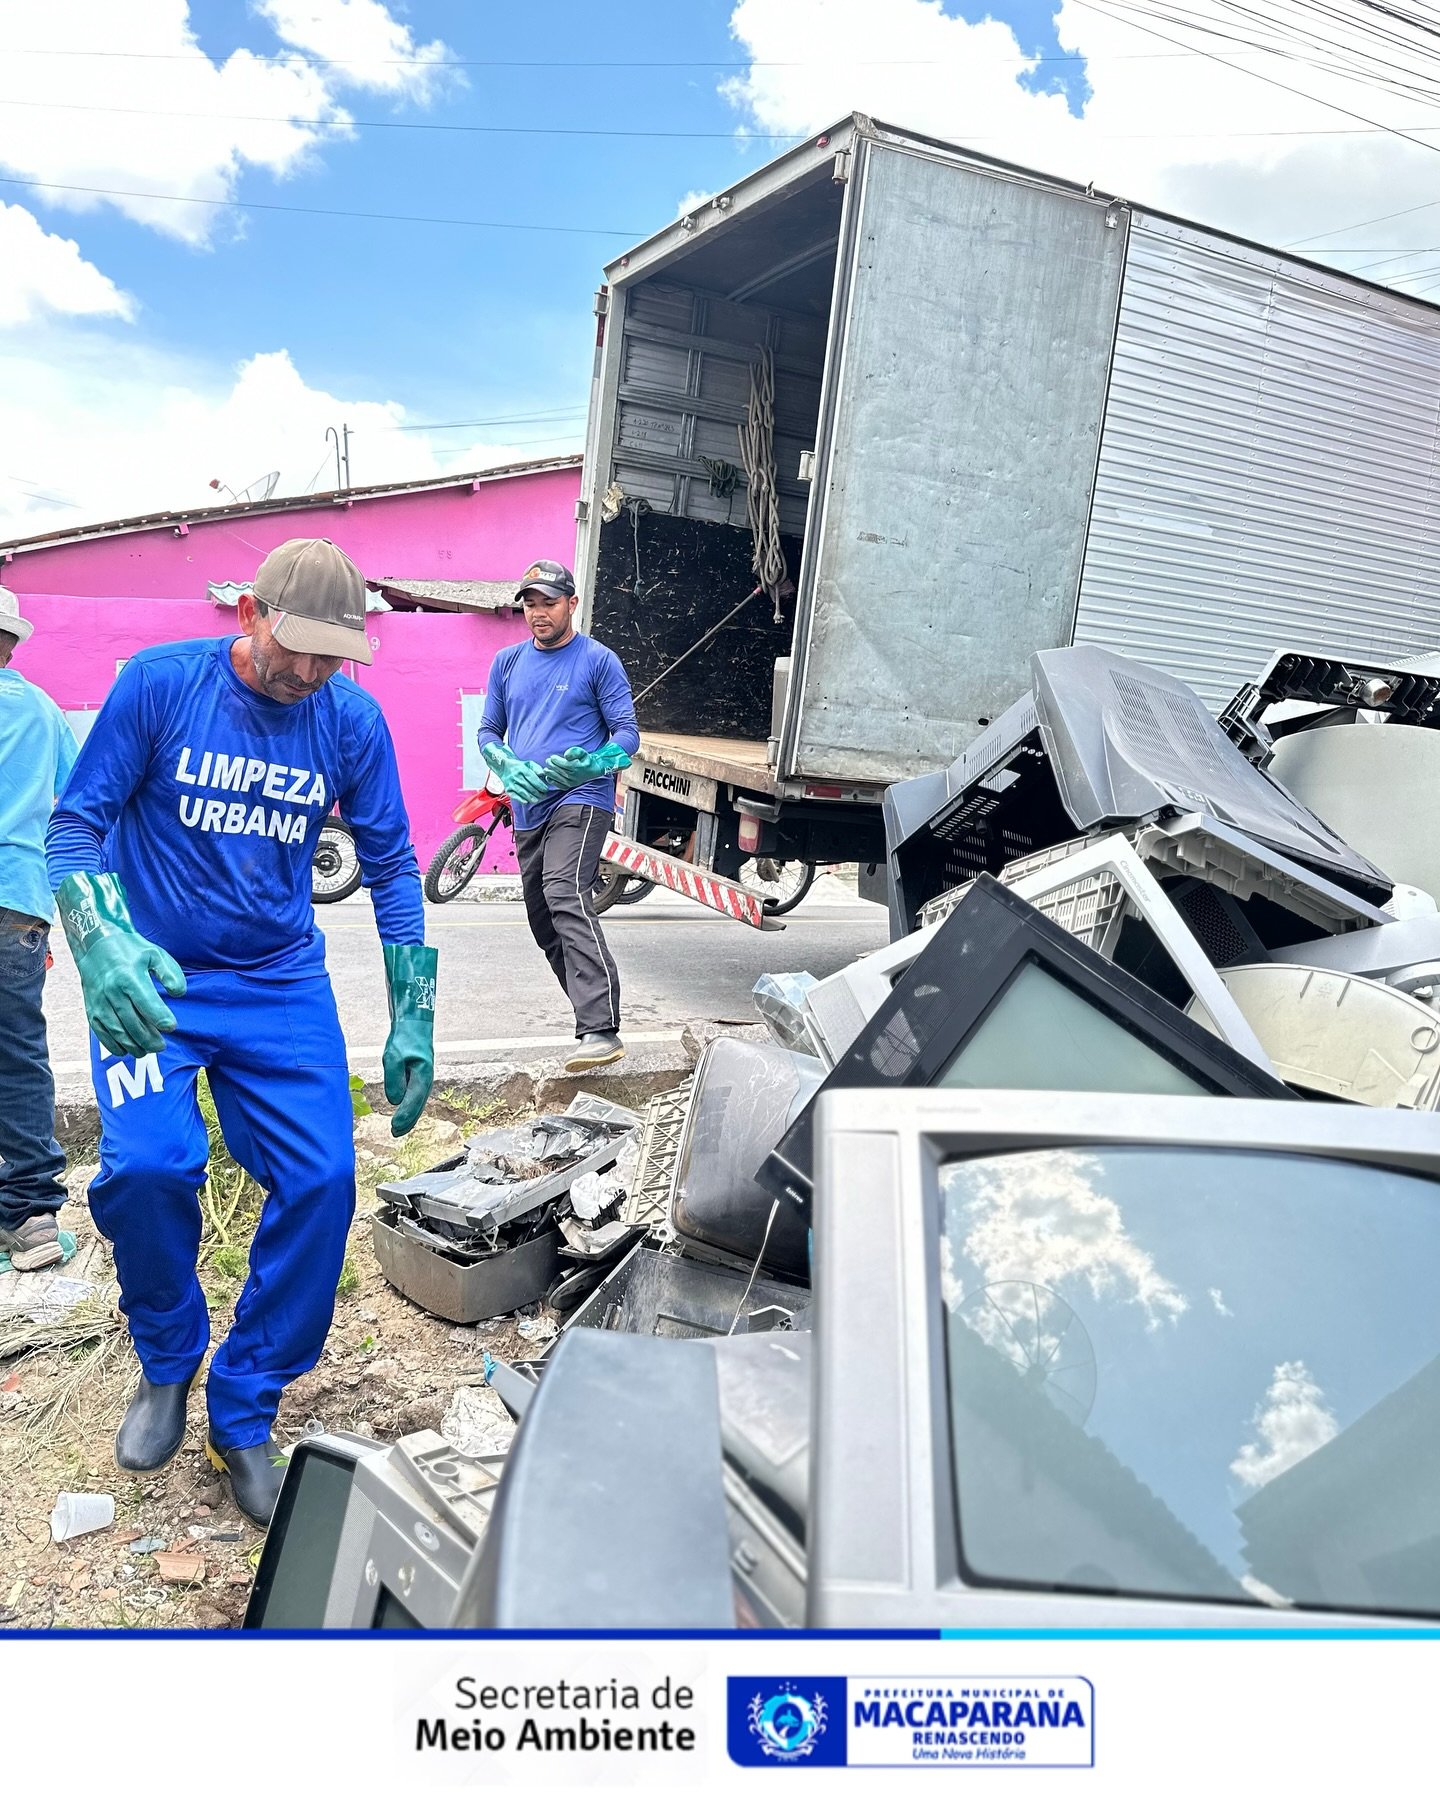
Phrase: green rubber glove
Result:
[410,1051]
[578,766]
[117,966]
[523,780]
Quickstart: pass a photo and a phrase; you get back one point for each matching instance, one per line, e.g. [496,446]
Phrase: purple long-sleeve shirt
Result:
[541,701]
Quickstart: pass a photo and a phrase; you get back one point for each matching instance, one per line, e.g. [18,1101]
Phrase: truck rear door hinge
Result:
[841,170]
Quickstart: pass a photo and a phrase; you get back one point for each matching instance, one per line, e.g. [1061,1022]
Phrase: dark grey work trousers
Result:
[559,864]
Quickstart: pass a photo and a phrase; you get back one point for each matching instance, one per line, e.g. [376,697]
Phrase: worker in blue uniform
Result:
[558,724]
[180,856]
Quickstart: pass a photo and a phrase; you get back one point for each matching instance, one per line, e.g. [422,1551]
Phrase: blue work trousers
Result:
[31,1163]
[274,1056]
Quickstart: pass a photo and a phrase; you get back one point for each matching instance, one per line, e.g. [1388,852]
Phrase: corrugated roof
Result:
[295,502]
[452,595]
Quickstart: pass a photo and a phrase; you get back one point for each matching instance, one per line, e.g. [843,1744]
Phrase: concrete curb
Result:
[647,1069]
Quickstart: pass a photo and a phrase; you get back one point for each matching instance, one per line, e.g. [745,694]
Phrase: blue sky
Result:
[497,321]
[146,347]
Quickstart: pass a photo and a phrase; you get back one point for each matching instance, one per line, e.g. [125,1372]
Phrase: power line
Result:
[1255,75]
[310,485]
[530,417]
[1360,225]
[485,62]
[37,493]
[380,124]
[262,205]
[401,124]
[520,442]
[1360,61]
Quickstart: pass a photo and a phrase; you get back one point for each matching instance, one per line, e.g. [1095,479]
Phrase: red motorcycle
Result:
[460,856]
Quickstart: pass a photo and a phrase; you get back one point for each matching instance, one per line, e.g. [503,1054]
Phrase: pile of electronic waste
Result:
[527,1212]
[1108,892]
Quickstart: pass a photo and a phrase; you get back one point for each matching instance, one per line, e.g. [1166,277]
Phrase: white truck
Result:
[1008,414]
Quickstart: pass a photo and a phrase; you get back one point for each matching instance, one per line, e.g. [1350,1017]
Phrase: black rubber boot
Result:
[594,1050]
[153,1428]
[255,1473]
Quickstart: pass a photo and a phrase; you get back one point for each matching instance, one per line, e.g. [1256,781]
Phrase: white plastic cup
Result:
[78,1512]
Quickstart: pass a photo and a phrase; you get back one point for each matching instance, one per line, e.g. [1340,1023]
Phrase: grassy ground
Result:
[388,1369]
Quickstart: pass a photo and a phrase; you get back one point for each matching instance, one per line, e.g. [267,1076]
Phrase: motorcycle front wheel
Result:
[456,862]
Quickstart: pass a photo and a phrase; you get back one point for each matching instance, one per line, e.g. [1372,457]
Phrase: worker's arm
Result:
[96,787]
[374,807]
[493,720]
[118,967]
[522,779]
[67,750]
[617,706]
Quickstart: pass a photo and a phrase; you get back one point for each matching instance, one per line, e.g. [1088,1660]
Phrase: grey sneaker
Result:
[595,1050]
[34,1244]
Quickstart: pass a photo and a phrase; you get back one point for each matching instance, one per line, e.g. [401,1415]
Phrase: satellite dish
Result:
[261,488]
[1041,1336]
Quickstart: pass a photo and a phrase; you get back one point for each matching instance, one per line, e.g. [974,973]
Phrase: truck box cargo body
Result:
[1009,414]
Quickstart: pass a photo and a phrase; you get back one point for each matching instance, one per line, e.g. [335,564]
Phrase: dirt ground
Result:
[388,1369]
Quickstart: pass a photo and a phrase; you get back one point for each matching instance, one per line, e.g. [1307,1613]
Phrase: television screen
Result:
[1043,1034]
[1002,998]
[292,1584]
[1190,1373]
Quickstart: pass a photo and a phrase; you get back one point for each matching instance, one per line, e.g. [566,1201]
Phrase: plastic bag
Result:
[780,999]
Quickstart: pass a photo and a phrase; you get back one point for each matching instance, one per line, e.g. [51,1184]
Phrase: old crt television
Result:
[368,1537]
[1103,1360]
[1003,998]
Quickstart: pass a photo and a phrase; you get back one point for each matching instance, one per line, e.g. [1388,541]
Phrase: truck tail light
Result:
[749,834]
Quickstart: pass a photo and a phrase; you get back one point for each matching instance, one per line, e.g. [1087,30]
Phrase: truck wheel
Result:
[782,883]
[617,887]
[335,870]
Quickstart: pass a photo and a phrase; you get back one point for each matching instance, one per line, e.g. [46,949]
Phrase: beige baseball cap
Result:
[319,594]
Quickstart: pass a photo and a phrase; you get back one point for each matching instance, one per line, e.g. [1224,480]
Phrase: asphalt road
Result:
[497,997]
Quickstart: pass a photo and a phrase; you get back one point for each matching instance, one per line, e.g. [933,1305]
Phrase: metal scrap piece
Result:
[649,1201]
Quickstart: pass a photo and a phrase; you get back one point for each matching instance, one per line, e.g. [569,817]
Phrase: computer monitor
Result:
[1123,1361]
[1001,997]
[1099,741]
[368,1537]
[294,1579]
[1102,892]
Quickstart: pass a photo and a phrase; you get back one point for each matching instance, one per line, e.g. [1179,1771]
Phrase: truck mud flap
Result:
[725,895]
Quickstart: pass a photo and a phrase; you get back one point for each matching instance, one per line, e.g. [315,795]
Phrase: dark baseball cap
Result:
[319,594]
[548,577]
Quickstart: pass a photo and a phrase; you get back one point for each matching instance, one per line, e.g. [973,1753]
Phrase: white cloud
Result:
[1292,1422]
[697,196]
[1040,1219]
[1217,1297]
[165,119]
[116,428]
[374,49]
[43,273]
[1171,129]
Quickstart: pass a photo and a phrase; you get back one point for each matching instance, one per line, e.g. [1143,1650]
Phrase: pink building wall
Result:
[97,601]
[485,530]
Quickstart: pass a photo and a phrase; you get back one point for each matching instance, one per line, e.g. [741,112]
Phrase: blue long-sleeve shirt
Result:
[206,798]
[541,701]
[37,752]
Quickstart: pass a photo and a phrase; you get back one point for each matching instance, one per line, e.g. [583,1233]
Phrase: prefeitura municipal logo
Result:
[788,1725]
[795,1720]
